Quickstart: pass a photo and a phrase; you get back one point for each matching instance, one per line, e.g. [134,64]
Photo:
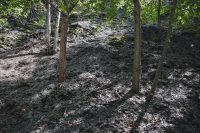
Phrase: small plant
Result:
[3,23]
[40,22]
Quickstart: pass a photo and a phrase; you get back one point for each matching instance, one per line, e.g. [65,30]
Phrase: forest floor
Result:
[93,99]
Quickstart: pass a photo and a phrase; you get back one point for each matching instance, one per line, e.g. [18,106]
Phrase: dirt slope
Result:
[98,76]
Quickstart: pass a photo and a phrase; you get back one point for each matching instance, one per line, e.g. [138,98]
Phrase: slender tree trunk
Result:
[62,55]
[137,49]
[48,27]
[159,20]
[164,52]
[57,29]
[158,72]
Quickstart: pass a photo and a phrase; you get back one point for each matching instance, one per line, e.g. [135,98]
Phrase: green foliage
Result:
[188,14]
[40,22]
[18,8]
[67,6]
[106,10]
[3,22]
[149,11]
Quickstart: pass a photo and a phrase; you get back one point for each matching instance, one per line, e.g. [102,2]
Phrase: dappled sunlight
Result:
[154,123]
[95,92]
[40,129]
[103,80]
[21,68]
[43,93]
[137,100]
[86,75]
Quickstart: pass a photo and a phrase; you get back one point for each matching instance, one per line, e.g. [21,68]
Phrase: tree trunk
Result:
[137,49]
[48,27]
[159,20]
[57,29]
[62,55]
[164,52]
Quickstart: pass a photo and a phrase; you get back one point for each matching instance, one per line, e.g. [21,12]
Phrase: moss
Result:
[119,40]
[116,41]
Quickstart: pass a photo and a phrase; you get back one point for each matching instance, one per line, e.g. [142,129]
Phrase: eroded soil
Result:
[93,98]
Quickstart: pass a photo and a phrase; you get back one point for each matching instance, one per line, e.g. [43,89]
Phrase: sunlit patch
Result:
[46,92]
[121,89]
[197,78]
[77,121]
[188,73]
[171,77]
[39,129]
[73,85]
[36,97]
[151,70]
[71,112]
[103,80]
[57,106]
[74,122]
[180,94]
[145,88]
[106,97]
[87,75]
[137,99]
[177,113]
[49,89]
[93,58]
[15,72]
[174,94]
[153,123]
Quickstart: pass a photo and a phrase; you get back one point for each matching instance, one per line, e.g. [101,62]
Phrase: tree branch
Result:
[53,6]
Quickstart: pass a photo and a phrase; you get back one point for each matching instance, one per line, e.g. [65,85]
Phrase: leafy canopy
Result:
[187,13]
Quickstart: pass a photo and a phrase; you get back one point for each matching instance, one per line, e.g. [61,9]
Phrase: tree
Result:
[159,69]
[164,52]
[62,55]
[48,27]
[159,19]
[67,7]
[137,48]
[58,14]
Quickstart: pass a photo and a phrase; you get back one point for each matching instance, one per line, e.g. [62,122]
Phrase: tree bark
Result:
[137,49]
[57,29]
[158,72]
[48,27]
[159,20]
[164,52]
[64,33]
[62,54]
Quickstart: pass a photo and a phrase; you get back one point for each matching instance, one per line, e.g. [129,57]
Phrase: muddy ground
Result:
[98,78]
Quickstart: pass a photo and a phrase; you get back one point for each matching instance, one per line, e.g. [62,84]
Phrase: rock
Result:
[119,40]
[116,41]
[188,75]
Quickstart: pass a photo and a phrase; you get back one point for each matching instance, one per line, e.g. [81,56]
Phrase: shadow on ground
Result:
[97,95]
